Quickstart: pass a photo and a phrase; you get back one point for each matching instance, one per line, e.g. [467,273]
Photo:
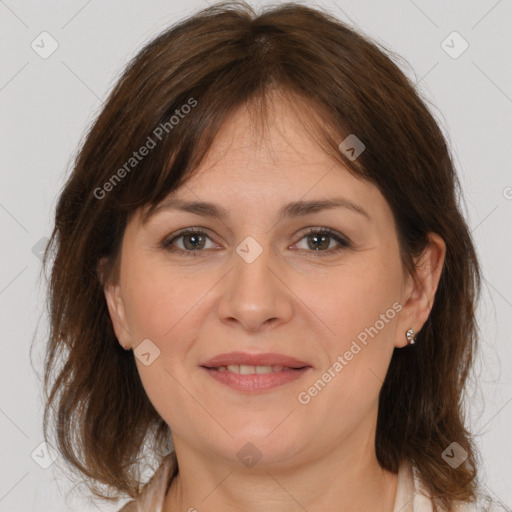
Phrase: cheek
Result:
[360,309]
[165,308]
[357,352]
[159,301]
[352,299]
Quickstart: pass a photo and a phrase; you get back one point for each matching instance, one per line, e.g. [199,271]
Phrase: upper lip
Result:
[268,359]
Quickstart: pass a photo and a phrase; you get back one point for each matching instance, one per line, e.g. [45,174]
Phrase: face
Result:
[323,286]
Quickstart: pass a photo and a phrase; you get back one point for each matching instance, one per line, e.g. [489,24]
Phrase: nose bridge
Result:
[252,261]
[252,279]
[253,294]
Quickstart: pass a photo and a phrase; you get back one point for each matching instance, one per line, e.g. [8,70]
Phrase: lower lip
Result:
[258,381]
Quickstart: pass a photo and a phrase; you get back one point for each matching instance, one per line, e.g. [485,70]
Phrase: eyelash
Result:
[344,243]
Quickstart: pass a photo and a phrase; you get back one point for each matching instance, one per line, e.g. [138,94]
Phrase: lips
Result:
[246,359]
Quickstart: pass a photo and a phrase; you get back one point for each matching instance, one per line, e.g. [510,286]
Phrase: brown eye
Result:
[193,241]
[319,241]
[188,243]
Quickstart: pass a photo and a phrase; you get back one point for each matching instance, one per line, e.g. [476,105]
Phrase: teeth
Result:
[244,369]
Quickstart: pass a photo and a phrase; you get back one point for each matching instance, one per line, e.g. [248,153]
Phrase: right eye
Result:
[193,241]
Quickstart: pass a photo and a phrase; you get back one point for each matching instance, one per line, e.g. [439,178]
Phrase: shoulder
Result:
[411,482]
[131,506]
[152,495]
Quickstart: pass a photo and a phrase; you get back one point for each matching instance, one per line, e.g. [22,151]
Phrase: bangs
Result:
[160,127]
[174,156]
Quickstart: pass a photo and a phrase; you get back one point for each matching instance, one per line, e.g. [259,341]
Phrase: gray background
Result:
[46,104]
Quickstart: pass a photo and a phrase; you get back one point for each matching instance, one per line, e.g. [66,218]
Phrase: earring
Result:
[411,336]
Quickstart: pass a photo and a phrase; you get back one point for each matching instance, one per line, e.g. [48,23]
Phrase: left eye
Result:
[318,239]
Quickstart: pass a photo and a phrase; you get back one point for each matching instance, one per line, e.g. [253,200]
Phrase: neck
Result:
[337,482]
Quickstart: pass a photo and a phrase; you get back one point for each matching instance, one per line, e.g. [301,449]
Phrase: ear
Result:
[116,308]
[421,288]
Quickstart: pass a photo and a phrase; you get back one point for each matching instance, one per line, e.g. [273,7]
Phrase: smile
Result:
[244,369]
[255,379]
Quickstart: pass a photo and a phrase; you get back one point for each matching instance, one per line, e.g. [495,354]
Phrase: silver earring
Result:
[411,336]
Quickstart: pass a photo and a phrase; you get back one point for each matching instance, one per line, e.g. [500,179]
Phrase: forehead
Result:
[279,139]
[254,155]
[255,166]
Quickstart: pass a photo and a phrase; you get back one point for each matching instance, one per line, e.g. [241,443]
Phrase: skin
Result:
[291,300]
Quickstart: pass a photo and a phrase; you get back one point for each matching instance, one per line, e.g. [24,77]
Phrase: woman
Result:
[262,280]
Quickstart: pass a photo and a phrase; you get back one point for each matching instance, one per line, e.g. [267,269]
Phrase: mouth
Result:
[245,360]
[243,369]
[254,372]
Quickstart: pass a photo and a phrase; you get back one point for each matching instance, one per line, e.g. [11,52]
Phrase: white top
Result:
[410,496]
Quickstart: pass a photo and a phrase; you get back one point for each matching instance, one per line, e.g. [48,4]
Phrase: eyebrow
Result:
[290,210]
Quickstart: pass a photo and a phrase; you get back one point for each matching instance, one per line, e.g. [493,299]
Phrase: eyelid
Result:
[344,242]
[168,240]
[326,230]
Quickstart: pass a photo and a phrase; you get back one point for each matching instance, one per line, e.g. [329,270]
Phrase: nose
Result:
[255,293]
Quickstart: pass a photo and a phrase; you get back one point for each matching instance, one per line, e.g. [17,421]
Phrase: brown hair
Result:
[219,59]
